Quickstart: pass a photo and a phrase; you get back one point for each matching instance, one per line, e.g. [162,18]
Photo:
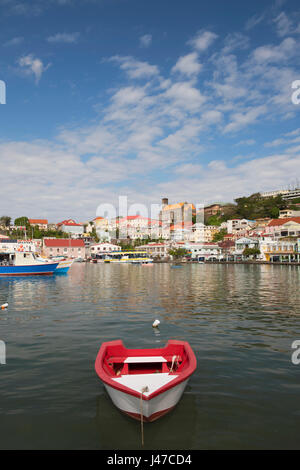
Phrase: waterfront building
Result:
[228,249]
[100,248]
[71,227]
[68,247]
[241,244]
[279,250]
[155,250]
[204,251]
[42,224]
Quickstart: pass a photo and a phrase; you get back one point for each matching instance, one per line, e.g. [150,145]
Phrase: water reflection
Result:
[239,319]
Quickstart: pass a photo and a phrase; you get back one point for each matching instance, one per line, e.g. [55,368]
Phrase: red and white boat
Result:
[145,383]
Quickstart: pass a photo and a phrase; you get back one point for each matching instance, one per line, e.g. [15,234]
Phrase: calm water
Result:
[240,321]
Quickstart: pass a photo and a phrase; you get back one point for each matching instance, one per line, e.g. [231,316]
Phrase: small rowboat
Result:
[145,383]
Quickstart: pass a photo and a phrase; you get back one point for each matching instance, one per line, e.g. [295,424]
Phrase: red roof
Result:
[64,242]
[69,222]
[38,221]
[277,222]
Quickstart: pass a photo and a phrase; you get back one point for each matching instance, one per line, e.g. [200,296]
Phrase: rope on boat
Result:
[144,389]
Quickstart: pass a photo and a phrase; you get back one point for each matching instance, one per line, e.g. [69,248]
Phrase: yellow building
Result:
[181,212]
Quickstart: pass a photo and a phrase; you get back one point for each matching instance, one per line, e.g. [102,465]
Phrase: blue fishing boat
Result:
[25,264]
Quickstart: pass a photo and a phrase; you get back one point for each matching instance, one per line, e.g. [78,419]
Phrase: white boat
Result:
[131,257]
[145,383]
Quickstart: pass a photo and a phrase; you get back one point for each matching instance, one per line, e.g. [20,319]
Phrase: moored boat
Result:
[25,264]
[145,383]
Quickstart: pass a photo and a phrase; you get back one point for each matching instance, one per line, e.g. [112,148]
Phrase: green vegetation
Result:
[253,252]
[94,235]
[219,236]
[178,253]
[5,221]
[251,208]
[255,206]
[22,221]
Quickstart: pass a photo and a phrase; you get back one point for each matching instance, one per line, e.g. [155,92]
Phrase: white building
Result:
[71,227]
[239,226]
[204,251]
[203,233]
[285,213]
[153,250]
[285,193]
[242,243]
[100,248]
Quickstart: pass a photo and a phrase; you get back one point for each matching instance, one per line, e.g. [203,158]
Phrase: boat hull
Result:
[152,409]
[63,267]
[46,269]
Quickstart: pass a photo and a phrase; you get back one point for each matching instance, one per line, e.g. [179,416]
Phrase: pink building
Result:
[68,247]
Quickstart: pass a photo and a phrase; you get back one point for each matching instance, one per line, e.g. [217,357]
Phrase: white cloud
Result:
[243,119]
[184,95]
[246,142]
[145,40]
[14,41]
[163,124]
[32,66]
[68,38]
[270,53]
[188,65]
[135,68]
[203,40]
[235,41]
[283,24]
[254,21]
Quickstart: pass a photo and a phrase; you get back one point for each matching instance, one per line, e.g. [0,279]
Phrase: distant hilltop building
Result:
[285,193]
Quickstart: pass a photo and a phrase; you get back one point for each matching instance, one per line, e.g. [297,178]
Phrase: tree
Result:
[178,252]
[22,221]
[219,236]
[5,220]
[94,235]
[251,252]
[214,220]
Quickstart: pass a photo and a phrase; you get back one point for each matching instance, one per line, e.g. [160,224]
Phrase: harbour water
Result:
[239,319]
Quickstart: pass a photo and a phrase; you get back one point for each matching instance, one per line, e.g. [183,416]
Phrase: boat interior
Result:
[6,259]
[129,364]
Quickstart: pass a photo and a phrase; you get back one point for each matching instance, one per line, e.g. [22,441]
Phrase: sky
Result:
[145,99]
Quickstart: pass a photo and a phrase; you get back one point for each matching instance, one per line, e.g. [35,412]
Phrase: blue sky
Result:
[189,100]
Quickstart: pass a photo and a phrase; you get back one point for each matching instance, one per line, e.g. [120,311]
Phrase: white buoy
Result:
[3,306]
[156,323]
